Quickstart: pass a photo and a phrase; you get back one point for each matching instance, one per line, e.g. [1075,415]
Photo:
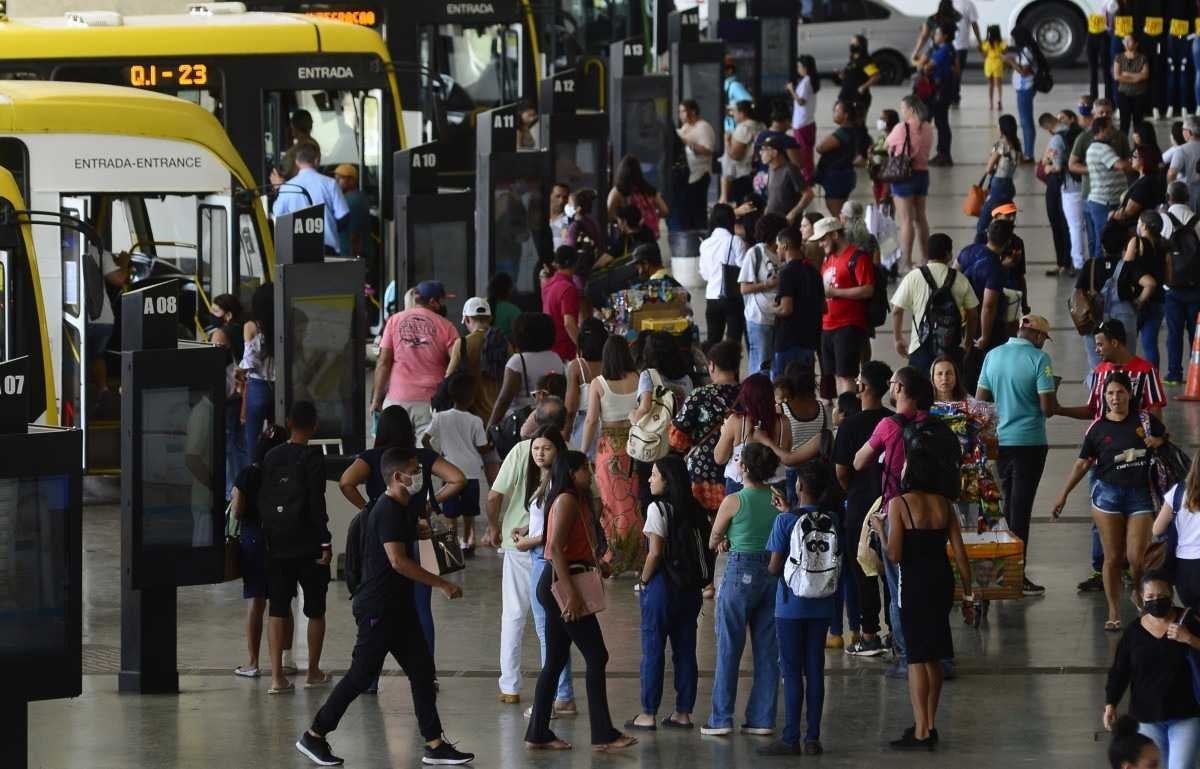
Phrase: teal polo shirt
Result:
[1016,373]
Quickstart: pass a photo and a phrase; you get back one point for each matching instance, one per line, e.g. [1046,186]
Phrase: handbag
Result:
[731,290]
[897,169]
[233,562]
[868,557]
[441,554]
[973,204]
[586,580]
[1085,307]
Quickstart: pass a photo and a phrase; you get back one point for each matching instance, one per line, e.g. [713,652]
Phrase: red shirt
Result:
[835,272]
[560,298]
[1147,387]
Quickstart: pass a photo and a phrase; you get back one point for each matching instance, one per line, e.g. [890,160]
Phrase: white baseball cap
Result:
[824,227]
[477,307]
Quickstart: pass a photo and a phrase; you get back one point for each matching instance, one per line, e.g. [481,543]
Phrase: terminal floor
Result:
[1029,690]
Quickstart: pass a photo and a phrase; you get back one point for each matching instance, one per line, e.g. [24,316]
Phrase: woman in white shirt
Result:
[1182,505]
[721,255]
[758,281]
[804,110]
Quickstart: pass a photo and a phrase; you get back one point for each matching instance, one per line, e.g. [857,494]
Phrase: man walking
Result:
[1019,377]
[849,278]
[983,268]
[939,298]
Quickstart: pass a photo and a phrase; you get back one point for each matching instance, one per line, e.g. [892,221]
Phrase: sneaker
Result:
[446,754]
[1093,584]
[780,748]
[899,671]
[716,731]
[1172,381]
[834,641]
[865,648]
[912,730]
[910,742]
[757,731]
[317,750]
[1029,588]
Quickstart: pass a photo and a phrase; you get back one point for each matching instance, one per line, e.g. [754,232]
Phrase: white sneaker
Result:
[529,713]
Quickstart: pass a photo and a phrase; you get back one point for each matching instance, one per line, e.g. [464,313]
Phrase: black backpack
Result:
[688,561]
[356,546]
[877,305]
[932,435]
[1183,254]
[283,502]
[940,329]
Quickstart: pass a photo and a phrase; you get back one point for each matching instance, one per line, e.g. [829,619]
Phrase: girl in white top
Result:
[533,336]
[754,417]
[1181,504]
[580,373]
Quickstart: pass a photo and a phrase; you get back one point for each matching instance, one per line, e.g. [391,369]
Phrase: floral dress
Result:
[696,430]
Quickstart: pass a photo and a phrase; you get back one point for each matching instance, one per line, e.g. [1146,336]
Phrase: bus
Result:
[87,168]
[250,70]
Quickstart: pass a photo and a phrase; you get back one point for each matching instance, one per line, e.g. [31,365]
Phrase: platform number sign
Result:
[423,169]
[150,317]
[558,93]
[504,129]
[14,395]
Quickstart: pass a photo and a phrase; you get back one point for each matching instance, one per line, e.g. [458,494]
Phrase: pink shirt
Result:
[920,142]
[888,443]
[420,341]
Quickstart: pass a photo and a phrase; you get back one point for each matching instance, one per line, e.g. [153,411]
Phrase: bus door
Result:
[216,249]
[73,389]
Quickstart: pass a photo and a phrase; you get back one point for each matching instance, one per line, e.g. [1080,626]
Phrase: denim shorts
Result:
[918,184]
[1128,501]
[838,182]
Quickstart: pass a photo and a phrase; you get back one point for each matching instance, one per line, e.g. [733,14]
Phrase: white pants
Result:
[1072,205]
[515,596]
[419,412]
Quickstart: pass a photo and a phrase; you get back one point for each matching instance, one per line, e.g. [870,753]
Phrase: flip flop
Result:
[290,688]
[612,746]
[1112,626]
[671,723]
[632,724]
[325,679]
[242,672]
[552,745]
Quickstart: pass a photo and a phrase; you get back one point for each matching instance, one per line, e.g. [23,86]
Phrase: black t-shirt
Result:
[1156,673]
[1146,190]
[799,280]
[853,77]
[865,486]
[1152,260]
[1119,449]
[382,588]
[248,482]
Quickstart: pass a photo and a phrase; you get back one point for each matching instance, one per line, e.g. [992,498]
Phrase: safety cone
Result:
[1192,391]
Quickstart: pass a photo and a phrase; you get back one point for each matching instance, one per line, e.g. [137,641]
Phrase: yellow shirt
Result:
[993,52]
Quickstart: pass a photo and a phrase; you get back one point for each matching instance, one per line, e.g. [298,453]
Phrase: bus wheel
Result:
[1060,30]
[893,67]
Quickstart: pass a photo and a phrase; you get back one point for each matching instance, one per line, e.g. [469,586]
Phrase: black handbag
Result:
[732,290]
[897,168]
[507,434]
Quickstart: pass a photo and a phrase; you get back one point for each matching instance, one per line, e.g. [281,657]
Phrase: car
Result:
[890,33]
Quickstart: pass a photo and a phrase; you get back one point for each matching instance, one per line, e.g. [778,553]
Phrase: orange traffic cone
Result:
[1192,391]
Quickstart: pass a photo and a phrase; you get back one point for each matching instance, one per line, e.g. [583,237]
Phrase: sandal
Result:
[244,672]
[620,743]
[633,724]
[288,689]
[324,680]
[1112,626]
[551,745]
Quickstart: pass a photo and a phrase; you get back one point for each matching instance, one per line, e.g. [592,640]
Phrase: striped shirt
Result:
[1147,387]
[1107,183]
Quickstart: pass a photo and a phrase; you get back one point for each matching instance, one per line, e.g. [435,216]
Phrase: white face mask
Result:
[881,125]
[415,484]
[569,210]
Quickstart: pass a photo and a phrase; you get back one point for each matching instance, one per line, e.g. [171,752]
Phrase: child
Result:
[801,625]
[461,439]
[993,63]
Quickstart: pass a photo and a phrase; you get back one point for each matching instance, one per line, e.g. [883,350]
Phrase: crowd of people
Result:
[836,489]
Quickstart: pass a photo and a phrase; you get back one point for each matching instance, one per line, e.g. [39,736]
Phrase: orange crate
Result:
[997,565]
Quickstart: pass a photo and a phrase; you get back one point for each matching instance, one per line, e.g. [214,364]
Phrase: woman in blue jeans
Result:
[746,598]
[1002,163]
[800,623]
[669,611]
[258,365]
[1151,661]
[1025,59]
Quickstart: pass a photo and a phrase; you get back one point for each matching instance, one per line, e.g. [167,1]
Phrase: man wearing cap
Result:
[849,279]
[1019,377]
[310,187]
[477,317]
[787,192]
[414,352]
[353,238]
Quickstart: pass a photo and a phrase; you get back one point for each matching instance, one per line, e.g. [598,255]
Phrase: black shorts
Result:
[283,574]
[465,503]
[841,351]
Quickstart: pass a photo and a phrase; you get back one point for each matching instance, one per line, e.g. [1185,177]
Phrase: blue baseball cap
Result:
[431,289]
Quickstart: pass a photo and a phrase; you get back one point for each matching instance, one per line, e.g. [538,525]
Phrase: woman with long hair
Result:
[1006,154]
[804,109]
[1026,59]
[839,151]
[755,416]
[227,312]
[1146,192]
[1131,73]
[580,373]
[611,399]
[912,136]
[258,363]
[920,523]
[570,546]
[1181,509]
[669,611]
[720,259]
[630,187]
[1122,508]
[532,339]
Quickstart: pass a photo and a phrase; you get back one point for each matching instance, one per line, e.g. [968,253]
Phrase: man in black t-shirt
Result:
[387,618]
[862,489]
[799,305]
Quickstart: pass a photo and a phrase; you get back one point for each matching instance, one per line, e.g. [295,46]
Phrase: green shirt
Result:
[751,525]
[512,482]
[1017,374]
[503,315]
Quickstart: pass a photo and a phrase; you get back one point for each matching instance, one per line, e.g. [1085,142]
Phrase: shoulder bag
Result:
[973,204]
[508,433]
[1086,307]
[897,168]
[585,578]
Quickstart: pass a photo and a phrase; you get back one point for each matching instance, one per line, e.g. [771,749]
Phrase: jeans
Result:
[1072,208]
[1177,61]
[1058,221]
[585,634]
[1093,358]
[1001,190]
[235,444]
[1182,309]
[1025,111]
[759,338]
[377,637]
[1099,58]
[802,656]
[891,573]
[1021,470]
[1196,66]
[260,408]
[1177,740]
[1097,215]
[746,599]
[566,690]
[781,359]
[1151,319]
[669,614]
[723,321]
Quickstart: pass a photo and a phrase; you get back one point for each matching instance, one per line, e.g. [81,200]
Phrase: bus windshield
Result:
[485,62]
[347,127]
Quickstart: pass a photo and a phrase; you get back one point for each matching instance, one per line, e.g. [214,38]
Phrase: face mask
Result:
[1159,607]
[881,125]
[415,484]
[569,209]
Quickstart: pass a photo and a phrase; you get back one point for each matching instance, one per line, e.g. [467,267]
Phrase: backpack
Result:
[441,400]
[1183,254]
[648,436]
[356,546]
[494,355]
[688,561]
[877,305]
[932,435]
[283,502]
[1043,81]
[940,329]
[93,284]
[814,560]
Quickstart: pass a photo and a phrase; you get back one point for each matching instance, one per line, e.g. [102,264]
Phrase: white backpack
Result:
[648,437]
[814,560]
